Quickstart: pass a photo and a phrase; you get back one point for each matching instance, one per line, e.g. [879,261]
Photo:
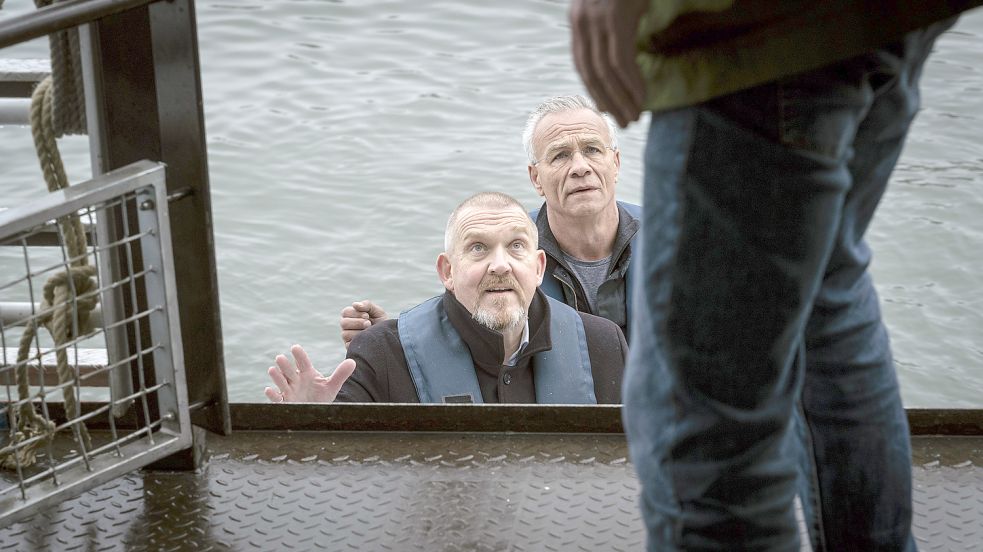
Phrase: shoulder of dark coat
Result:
[598,326]
[380,334]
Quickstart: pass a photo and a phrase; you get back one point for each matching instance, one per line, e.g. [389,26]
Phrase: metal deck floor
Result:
[427,491]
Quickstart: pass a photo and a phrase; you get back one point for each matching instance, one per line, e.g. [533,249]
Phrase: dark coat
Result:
[381,373]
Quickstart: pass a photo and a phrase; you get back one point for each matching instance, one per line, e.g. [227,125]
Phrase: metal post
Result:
[173,29]
[145,61]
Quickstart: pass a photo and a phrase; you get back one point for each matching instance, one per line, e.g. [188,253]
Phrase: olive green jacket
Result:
[693,50]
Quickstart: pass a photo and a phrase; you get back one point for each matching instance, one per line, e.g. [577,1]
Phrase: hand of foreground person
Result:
[604,34]
[358,317]
[304,383]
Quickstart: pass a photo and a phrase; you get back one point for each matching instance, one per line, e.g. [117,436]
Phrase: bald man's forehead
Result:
[483,221]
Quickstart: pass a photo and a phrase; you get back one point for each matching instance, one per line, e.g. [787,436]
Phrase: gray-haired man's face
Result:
[576,170]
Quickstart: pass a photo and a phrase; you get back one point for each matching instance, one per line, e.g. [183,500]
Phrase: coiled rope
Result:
[76,287]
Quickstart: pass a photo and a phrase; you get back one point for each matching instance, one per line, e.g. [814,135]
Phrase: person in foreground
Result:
[586,234]
[775,128]
[492,337]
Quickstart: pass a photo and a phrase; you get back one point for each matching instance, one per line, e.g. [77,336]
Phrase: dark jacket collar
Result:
[627,228]
[487,346]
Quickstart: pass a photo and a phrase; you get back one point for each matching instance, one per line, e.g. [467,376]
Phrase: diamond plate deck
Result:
[415,491]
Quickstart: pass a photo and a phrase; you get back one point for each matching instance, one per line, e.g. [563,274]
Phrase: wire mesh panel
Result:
[90,339]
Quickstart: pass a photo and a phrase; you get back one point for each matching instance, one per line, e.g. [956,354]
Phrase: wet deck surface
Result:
[436,491]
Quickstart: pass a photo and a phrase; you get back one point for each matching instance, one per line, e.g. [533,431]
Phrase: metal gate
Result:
[115,366]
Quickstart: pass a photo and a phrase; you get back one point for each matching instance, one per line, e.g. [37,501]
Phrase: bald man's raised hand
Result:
[302,383]
[358,317]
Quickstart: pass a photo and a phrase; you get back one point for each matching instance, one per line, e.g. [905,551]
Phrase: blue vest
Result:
[441,366]
[554,288]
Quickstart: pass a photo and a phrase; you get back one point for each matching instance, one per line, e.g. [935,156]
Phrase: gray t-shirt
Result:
[591,275]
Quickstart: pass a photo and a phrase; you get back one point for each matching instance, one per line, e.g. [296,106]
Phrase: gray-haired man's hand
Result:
[358,317]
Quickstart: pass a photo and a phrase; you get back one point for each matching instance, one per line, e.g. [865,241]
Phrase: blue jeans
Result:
[767,369]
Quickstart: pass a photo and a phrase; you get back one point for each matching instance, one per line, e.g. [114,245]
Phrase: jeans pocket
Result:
[820,111]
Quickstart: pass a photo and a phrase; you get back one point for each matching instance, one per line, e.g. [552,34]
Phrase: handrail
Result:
[521,418]
[58,16]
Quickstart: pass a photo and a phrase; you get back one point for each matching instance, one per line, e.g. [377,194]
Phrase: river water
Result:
[342,133]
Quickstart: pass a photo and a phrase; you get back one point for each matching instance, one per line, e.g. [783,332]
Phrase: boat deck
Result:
[304,490]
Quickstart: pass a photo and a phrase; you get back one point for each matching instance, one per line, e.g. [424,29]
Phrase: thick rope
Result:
[66,69]
[75,289]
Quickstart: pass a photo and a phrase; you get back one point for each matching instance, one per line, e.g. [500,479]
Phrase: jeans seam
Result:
[680,200]
[813,476]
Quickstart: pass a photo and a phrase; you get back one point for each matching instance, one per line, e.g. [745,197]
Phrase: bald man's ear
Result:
[540,265]
[444,271]
[534,178]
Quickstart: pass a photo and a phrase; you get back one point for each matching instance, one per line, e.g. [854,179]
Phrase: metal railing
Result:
[147,412]
[56,17]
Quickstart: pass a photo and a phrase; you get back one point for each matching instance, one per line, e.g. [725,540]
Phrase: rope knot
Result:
[59,299]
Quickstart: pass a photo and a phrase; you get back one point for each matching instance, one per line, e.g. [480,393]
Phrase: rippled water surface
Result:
[341,134]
